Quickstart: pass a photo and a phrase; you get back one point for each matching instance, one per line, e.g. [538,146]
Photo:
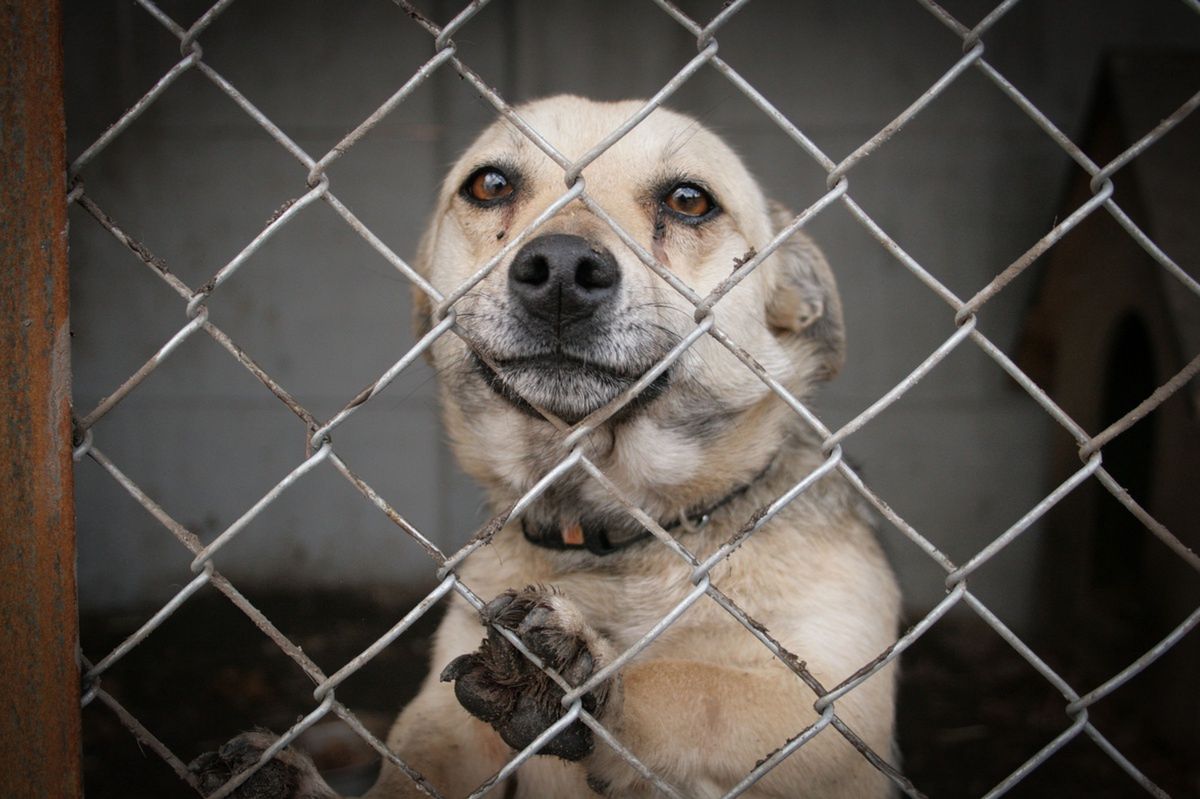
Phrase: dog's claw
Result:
[457,667]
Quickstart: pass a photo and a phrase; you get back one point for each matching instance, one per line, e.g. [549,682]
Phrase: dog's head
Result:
[571,318]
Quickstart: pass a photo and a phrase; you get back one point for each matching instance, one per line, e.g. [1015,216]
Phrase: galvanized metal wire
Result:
[314,185]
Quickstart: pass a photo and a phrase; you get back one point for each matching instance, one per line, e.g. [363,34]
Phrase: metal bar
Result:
[618,133]
[342,674]
[1156,528]
[608,738]
[39,673]
[342,712]
[603,414]
[275,748]
[1141,779]
[906,116]
[748,266]
[370,122]
[1023,524]
[565,465]
[759,631]
[1141,145]
[1144,407]
[885,768]
[472,8]
[900,254]
[218,581]
[377,243]
[1139,665]
[800,669]
[364,396]
[987,22]
[730,8]
[1152,249]
[765,515]
[209,551]
[385,507]
[782,752]
[602,674]
[205,20]
[109,402]
[147,738]
[274,226]
[133,113]
[637,513]
[529,751]
[1043,754]
[1033,253]
[150,626]
[894,651]
[890,514]
[914,377]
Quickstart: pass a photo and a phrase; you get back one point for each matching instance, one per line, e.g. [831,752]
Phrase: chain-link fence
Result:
[316,187]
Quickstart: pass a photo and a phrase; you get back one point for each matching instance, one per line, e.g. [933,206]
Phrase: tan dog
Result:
[566,323]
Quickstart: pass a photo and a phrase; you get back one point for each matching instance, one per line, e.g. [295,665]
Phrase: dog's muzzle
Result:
[567,349]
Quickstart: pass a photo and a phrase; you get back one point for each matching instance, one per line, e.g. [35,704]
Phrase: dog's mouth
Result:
[568,386]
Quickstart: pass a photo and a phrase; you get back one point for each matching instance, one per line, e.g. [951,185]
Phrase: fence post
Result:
[39,673]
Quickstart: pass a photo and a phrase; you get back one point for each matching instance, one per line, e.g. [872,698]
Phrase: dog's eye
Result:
[689,201]
[487,186]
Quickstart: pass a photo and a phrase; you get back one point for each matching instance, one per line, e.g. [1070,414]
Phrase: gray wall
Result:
[965,189]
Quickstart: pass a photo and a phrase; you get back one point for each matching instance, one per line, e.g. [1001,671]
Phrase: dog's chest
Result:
[623,606]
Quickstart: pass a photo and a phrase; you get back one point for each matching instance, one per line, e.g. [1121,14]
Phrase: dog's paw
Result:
[288,775]
[499,685]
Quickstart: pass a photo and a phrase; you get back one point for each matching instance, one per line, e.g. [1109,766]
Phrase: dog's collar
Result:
[595,538]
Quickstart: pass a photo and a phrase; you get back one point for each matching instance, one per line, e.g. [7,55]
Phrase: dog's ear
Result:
[802,299]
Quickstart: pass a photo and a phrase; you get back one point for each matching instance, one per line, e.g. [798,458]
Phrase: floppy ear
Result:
[802,300]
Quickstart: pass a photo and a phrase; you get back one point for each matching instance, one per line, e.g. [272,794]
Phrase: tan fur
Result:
[706,701]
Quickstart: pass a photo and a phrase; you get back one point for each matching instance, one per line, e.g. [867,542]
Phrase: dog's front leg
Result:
[703,727]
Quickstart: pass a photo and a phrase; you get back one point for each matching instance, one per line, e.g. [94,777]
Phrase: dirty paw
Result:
[289,775]
[499,685]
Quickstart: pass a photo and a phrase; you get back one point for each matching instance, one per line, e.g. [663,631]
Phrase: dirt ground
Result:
[971,710]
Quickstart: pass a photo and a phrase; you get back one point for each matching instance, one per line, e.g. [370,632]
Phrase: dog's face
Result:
[571,318]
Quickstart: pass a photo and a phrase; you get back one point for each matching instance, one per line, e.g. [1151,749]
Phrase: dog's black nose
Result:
[560,278]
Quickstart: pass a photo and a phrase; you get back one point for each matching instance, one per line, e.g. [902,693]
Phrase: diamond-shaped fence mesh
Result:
[314,187]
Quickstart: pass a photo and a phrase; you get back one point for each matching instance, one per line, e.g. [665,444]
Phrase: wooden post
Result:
[39,672]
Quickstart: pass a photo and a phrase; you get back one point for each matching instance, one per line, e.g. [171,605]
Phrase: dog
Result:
[554,337]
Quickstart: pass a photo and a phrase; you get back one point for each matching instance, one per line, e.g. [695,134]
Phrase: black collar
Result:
[594,536]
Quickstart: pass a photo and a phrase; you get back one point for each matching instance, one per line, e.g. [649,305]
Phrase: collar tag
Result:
[572,534]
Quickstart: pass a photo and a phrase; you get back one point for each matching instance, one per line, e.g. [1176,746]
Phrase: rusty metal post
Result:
[39,673]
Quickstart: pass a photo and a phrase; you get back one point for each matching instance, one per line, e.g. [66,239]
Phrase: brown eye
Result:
[487,186]
[689,201]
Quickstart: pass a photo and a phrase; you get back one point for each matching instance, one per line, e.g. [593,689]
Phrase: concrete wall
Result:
[966,188]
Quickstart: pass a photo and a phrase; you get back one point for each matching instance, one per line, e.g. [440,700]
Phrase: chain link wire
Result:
[321,452]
